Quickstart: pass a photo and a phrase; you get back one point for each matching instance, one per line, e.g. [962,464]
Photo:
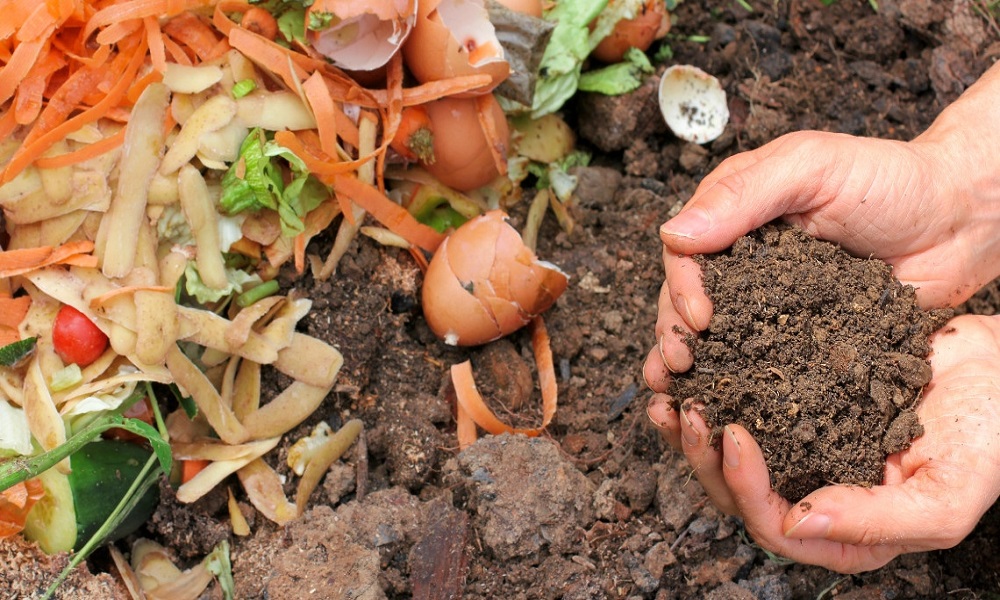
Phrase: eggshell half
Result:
[462,156]
[693,104]
[363,36]
[484,283]
[452,38]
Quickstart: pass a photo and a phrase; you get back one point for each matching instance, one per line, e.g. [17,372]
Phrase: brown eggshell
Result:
[462,156]
[528,7]
[363,35]
[484,283]
[638,32]
[452,38]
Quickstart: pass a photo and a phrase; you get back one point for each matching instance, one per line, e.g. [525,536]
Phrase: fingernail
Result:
[645,380]
[688,433]
[732,453]
[663,356]
[812,526]
[658,403]
[687,224]
[685,309]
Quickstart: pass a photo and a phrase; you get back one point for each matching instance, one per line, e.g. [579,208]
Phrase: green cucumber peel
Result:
[147,478]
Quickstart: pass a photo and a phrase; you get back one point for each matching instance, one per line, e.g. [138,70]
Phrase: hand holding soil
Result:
[922,207]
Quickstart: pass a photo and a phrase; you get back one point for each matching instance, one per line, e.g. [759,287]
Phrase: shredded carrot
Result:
[83,154]
[191,467]
[434,90]
[269,54]
[34,148]
[465,429]
[471,401]
[26,260]
[12,312]
[318,95]
[259,21]
[127,290]
[300,253]
[15,504]
[420,258]
[157,52]
[17,67]
[191,31]
[393,216]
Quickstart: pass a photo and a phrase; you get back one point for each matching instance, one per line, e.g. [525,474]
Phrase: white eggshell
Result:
[693,104]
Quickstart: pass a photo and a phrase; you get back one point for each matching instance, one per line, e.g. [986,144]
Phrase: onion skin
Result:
[638,32]
[484,283]
[462,157]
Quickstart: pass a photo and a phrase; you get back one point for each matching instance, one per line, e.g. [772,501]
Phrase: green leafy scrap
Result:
[15,352]
[256,181]
[619,78]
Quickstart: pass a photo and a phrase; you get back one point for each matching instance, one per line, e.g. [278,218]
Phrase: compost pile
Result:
[598,506]
[821,355]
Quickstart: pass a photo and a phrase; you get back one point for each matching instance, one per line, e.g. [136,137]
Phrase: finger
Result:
[671,329]
[765,512]
[705,459]
[687,290]
[655,372]
[783,176]
[914,516]
[661,413]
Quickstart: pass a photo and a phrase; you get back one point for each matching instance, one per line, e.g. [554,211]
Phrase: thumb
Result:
[918,515]
[748,190]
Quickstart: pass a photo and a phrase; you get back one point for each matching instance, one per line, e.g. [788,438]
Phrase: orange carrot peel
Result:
[26,260]
[15,504]
[471,409]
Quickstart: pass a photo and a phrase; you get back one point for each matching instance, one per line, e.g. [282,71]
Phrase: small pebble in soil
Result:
[821,356]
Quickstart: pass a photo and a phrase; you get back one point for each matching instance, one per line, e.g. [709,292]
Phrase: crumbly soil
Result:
[599,507]
[821,355]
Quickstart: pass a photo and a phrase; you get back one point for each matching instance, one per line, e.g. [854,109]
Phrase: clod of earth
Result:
[820,355]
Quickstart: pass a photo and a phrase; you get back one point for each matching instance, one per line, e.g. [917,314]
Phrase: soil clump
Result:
[820,355]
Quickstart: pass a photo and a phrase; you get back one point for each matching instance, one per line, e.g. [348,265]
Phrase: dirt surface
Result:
[821,355]
[599,507]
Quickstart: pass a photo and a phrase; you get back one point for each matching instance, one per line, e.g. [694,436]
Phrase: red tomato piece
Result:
[76,338]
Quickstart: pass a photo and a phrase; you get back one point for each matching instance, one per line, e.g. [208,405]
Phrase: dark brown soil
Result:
[600,507]
[821,355]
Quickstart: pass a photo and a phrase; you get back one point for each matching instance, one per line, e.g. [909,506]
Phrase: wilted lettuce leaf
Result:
[620,78]
[571,43]
[262,164]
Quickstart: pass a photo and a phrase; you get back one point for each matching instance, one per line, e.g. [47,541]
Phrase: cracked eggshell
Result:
[453,38]
[693,104]
[362,35]
[484,283]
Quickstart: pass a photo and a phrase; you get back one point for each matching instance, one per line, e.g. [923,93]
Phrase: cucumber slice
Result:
[74,507]
[52,521]
[102,473]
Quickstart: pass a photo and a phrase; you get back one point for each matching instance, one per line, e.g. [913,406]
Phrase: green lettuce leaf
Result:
[257,181]
[571,43]
[620,78]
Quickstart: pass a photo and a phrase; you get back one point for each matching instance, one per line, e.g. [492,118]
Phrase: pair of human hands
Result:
[927,209]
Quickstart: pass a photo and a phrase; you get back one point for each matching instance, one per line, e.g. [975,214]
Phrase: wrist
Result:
[962,149]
